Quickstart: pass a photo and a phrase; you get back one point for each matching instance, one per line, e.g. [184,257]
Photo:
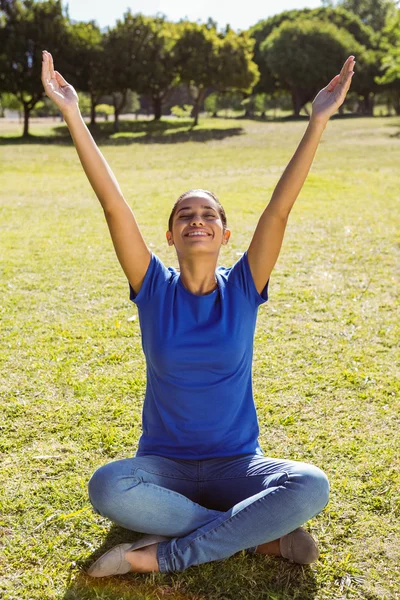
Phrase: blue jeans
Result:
[211,508]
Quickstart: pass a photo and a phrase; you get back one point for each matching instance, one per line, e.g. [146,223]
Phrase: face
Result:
[197,212]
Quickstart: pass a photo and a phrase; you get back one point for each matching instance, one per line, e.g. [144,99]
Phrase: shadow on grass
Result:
[241,576]
[132,132]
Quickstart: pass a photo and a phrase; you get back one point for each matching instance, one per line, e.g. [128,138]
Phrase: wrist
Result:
[317,122]
[72,114]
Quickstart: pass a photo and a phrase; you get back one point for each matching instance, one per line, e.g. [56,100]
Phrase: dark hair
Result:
[191,192]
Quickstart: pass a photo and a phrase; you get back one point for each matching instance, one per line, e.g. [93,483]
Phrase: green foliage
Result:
[343,19]
[132,103]
[45,108]
[10,101]
[183,112]
[85,103]
[222,101]
[390,63]
[324,48]
[85,69]
[126,61]
[28,28]
[210,60]
[374,13]
[259,103]
[162,67]
[104,110]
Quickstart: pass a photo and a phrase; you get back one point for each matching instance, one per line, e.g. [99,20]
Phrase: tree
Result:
[374,13]
[207,59]
[125,58]
[86,61]
[27,28]
[390,62]
[162,71]
[343,19]
[324,47]
[10,102]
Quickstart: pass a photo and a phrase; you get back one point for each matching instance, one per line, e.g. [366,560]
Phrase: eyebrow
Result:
[189,207]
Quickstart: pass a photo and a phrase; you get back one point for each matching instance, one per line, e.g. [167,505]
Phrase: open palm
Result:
[328,100]
[56,87]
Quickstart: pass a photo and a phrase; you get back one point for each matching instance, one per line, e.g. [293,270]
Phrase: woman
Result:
[199,482]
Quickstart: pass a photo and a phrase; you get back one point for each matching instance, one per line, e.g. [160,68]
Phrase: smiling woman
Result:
[199,482]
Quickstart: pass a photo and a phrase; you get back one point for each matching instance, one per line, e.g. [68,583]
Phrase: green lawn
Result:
[326,354]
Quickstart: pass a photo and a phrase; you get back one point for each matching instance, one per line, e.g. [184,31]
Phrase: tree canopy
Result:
[374,13]
[302,53]
[28,27]
[209,60]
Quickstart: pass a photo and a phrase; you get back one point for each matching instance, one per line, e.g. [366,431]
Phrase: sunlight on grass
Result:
[325,371]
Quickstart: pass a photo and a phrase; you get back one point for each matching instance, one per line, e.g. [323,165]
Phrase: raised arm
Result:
[132,252]
[267,240]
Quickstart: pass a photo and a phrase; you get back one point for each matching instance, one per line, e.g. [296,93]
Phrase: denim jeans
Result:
[210,508]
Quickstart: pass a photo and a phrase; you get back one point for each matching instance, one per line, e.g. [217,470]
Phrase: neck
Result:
[200,290]
[198,273]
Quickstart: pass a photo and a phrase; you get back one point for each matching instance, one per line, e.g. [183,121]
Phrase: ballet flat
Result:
[299,547]
[114,562]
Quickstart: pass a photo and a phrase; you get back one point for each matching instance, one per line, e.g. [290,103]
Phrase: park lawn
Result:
[325,375]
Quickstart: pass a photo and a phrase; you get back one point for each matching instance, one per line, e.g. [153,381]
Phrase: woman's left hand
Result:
[328,100]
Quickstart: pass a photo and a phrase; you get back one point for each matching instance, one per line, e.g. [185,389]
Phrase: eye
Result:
[184,216]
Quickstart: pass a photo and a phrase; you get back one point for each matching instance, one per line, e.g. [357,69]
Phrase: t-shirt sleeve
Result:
[156,276]
[241,276]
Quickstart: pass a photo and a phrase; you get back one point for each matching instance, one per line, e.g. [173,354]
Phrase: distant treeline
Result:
[150,63]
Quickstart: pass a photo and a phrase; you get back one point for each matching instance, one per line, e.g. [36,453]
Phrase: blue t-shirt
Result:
[199,350]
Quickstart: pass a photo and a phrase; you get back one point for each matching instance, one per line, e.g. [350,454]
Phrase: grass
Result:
[325,376]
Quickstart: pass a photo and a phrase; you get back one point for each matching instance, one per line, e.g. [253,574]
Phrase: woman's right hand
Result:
[57,89]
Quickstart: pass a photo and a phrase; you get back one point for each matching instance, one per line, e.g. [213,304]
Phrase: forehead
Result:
[198,200]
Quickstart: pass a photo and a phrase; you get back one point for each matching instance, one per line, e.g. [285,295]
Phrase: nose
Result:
[196,220]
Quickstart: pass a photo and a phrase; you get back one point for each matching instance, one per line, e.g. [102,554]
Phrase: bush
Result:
[222,101]
[104,110]
[182,112]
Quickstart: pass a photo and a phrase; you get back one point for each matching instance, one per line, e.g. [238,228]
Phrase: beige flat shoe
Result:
[299,547]
[113,562]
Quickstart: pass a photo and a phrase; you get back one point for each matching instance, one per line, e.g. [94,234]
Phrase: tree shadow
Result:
[290,118]
[244,575]
[132,132]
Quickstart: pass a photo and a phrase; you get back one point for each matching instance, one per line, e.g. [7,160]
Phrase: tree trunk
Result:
[396,104]
[93,103]
[27,110]
[157,107]
[118,106]
[367,104]
[195,113]
[297,103]
[197,104]
[116,119]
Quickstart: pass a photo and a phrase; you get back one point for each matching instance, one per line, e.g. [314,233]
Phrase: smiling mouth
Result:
[198,235]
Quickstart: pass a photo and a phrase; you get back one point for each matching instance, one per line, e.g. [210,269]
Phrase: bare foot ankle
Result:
[143,560]
[270,548]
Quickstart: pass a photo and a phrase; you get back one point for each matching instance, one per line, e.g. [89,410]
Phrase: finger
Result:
[60,79]
[345,87]
[332,84]
[45,69]
[51,67]
[348,81]
[345,69]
